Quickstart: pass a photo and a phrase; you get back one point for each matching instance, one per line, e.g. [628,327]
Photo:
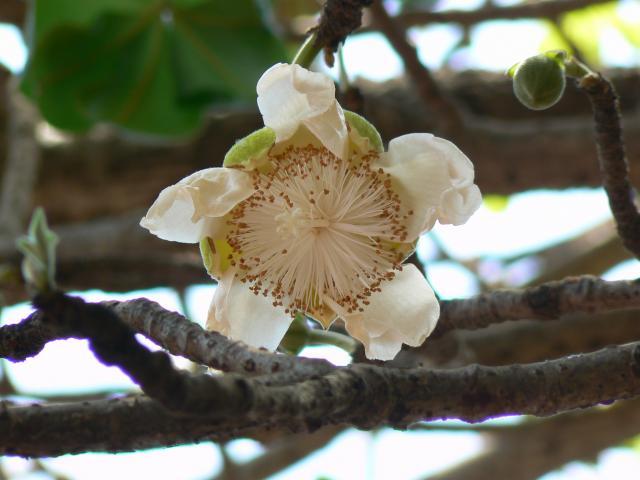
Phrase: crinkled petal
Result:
[459,204]
[433,178]
[290,96]
[193,208]
[419,174]
[239,314]
[405,311]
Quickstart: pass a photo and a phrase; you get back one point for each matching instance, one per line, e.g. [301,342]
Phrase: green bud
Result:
[539,81]
[249,151]
[365,129]
[39,250]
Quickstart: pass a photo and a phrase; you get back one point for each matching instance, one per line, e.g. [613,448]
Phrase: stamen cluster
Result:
[318,229]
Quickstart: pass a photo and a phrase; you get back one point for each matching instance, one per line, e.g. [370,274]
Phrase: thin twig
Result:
[612,158]
[179,336]
[428,89]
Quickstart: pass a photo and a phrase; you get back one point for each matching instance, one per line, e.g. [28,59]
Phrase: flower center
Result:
[318,229]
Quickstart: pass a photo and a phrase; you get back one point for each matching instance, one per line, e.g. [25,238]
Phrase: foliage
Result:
[147,65]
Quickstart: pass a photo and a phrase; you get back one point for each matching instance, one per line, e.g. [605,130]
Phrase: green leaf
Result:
[147,65]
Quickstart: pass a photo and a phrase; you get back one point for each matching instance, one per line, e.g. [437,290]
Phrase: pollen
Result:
[306,249]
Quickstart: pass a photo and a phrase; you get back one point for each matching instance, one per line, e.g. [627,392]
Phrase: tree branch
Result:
[188,339]
[366,396]
[13,11]
[504,144]
[171,330]
[548,301]
[468,18]
[168,329]
[525,341]
[112,254]
[21,167]
[281,454]
[530,450]
[612,158]
[426,86]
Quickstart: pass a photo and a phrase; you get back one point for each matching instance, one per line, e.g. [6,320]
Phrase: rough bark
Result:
[548,301]
[362,395]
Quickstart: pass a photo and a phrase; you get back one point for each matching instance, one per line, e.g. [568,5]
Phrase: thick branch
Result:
[504,144]
[362,395]
[112,254]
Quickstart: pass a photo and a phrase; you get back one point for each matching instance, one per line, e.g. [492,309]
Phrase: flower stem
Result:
[323,337]
[307,52]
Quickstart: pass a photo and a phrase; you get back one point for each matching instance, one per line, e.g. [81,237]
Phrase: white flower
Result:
[315,217]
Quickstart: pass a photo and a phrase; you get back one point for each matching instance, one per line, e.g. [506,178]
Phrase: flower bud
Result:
[539,81]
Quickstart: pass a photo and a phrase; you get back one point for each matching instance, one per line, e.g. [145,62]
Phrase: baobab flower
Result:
[310,215]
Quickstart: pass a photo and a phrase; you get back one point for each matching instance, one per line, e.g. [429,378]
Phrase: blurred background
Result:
[108,102]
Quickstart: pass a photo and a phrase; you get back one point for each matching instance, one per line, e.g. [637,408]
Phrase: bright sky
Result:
[528,222]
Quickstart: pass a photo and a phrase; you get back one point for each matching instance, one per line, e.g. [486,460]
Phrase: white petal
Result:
[290,96]
[239,314]
[193,208]
[406,311]
[459,204]
[433,178]
[419,174]
[330,128]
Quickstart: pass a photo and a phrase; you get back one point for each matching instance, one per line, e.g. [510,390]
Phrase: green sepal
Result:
[364,129]
[250,151]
